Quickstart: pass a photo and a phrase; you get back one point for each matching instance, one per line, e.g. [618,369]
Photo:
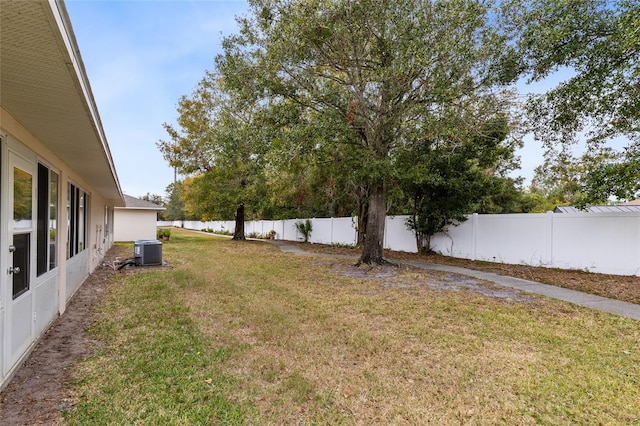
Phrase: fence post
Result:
[638,260]
[474,236]
[386,229]
[331,235]
[549,258]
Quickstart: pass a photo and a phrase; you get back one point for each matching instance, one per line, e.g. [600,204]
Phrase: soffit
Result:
[43,85]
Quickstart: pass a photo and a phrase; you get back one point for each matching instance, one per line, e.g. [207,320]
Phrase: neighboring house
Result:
[137,220]
[621,208]
[58,183]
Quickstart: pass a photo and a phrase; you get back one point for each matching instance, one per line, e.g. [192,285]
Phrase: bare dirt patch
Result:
[39,391]
[392,277]
[624,288]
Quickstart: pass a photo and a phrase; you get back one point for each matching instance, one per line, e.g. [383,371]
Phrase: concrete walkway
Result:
[623,309]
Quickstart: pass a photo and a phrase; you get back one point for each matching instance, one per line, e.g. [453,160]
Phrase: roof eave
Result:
[46,89]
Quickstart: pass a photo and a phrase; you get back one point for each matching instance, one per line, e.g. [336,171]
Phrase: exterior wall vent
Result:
[147,252]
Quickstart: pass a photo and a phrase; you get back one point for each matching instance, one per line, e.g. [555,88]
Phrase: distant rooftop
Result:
[137,203]
[623,208]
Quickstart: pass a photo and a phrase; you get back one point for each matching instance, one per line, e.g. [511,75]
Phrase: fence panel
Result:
[321,230]
[268,226]
[192,224]
[344,230]
[289,231]
[457,241]
[253,227]
[513,238]
[605,243]
[598,243]
[397,236]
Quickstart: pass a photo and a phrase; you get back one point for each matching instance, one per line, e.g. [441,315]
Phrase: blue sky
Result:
[141,56]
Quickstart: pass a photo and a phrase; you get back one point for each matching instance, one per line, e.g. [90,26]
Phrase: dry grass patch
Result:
[241,333]
[322,342]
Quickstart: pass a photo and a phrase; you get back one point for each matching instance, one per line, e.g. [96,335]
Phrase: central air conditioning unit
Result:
[147,252]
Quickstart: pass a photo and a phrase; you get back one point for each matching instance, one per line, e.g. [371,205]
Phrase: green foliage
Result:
[595,46]
[367,87]
[163,233]
[503,195]
[593,178]
[220,147]
[304,228]
[610,174]
[448,178]
[153,198]
[600,42]
[175,209]
[342,245]
[22,195]
[558,178]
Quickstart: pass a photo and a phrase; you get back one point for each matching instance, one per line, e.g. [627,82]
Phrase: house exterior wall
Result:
[135,224]
[50,292]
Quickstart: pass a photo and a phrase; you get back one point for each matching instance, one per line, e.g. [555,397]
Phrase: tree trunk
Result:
[372,251]
[238,234]
[363,215]
[416,232]
[424,242]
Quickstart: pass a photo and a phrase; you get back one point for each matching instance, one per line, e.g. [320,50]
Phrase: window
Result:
[46,234]
[77,205]
[108,219]
[21,261]
[22,223]
[53,219]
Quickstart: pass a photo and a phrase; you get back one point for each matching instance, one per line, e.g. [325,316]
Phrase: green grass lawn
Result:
[240,333]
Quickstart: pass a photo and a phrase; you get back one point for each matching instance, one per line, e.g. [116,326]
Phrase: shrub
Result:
[163,233]
[305,229]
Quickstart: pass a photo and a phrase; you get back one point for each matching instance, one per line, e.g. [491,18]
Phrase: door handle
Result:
[12,248]
[14,270]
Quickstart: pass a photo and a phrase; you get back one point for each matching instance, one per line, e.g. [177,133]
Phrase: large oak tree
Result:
[376,70]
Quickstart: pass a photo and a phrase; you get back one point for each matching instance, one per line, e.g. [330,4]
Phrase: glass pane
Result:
[42,223]
[70,220]
[53,219]
[81,222]
[20,264]
[22,199]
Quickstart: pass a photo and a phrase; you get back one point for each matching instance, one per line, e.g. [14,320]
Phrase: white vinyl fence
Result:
[597,242]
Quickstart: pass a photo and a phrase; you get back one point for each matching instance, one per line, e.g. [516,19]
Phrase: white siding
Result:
[50,292]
